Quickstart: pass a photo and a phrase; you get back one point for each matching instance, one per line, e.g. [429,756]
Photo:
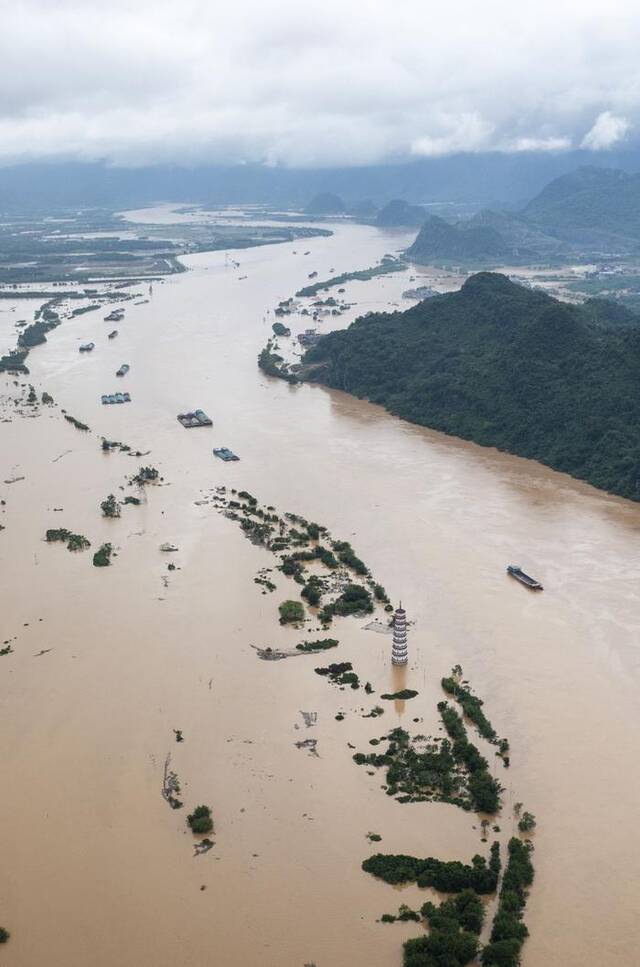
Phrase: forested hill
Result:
[507,367]
[590,205]
[438,239]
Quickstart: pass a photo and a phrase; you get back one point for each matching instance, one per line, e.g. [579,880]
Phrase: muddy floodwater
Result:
[97,870]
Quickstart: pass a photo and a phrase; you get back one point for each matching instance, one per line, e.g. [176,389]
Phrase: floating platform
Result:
[87,347]
[516,572]
[108,398]
[124,369]
[225,454]
[191,420]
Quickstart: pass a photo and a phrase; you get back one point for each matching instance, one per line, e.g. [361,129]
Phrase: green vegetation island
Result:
[388,264]
[504,366]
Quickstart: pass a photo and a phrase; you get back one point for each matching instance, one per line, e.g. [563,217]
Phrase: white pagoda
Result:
[400,651]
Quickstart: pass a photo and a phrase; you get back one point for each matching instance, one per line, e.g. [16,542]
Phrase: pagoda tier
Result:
[400,651]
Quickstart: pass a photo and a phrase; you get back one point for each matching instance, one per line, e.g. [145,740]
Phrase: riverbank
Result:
[97,865]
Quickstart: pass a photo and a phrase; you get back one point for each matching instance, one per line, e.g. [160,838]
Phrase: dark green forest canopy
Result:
[508,367]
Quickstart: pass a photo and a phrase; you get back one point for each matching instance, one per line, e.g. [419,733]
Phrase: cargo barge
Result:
[225,454]
[197,418]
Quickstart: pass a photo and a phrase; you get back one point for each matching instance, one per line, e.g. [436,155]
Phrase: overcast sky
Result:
[302,82]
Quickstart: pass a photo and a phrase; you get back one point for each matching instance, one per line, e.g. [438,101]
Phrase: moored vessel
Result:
[197,418]
[526,579]
[225,454]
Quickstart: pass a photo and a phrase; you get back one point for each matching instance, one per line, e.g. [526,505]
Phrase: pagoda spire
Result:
[400,651]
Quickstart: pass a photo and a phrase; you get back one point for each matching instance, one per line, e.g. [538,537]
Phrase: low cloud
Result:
[319,83]
[607,131]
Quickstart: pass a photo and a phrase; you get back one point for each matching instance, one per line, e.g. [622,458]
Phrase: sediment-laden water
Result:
[97,870]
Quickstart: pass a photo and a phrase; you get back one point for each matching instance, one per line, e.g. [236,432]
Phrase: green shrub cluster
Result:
[145,475]
[273,365]
[527,822]
[200,821]
[36,333]
[446,877]
[509,932]
[404,914]
[78,425]
[354,600]
[320,644]
[472,706]
[347,555]
[110,507]
[340,673]
[403,694]
[363,275]
[291,612]
[74,542]
[102,557]
[483,788]
[312,591]
[454,927]
[418,776]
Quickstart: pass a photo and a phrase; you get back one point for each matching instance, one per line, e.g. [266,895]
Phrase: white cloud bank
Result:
[314,83]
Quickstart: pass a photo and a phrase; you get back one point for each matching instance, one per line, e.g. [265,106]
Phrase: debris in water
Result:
[170,785]
[203,847]
[311,745]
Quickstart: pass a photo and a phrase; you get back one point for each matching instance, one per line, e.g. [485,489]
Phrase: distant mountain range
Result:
[474,179]
[507,367]
[590,211]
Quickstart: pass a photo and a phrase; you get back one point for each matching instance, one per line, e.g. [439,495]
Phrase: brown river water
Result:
[97,870]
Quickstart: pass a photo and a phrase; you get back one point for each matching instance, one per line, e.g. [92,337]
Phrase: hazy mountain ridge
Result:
[507,367]
[469,178]
[588,210]
[589,205]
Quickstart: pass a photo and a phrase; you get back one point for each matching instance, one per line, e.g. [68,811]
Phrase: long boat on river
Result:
[526,579]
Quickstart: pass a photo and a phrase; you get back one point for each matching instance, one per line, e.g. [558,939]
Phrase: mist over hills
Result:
[590,209]
[478,179]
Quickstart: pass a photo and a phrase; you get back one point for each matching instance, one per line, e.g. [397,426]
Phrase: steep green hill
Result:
[398,213]
[438,239]
[507,367]
[325,203]
[590,206]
